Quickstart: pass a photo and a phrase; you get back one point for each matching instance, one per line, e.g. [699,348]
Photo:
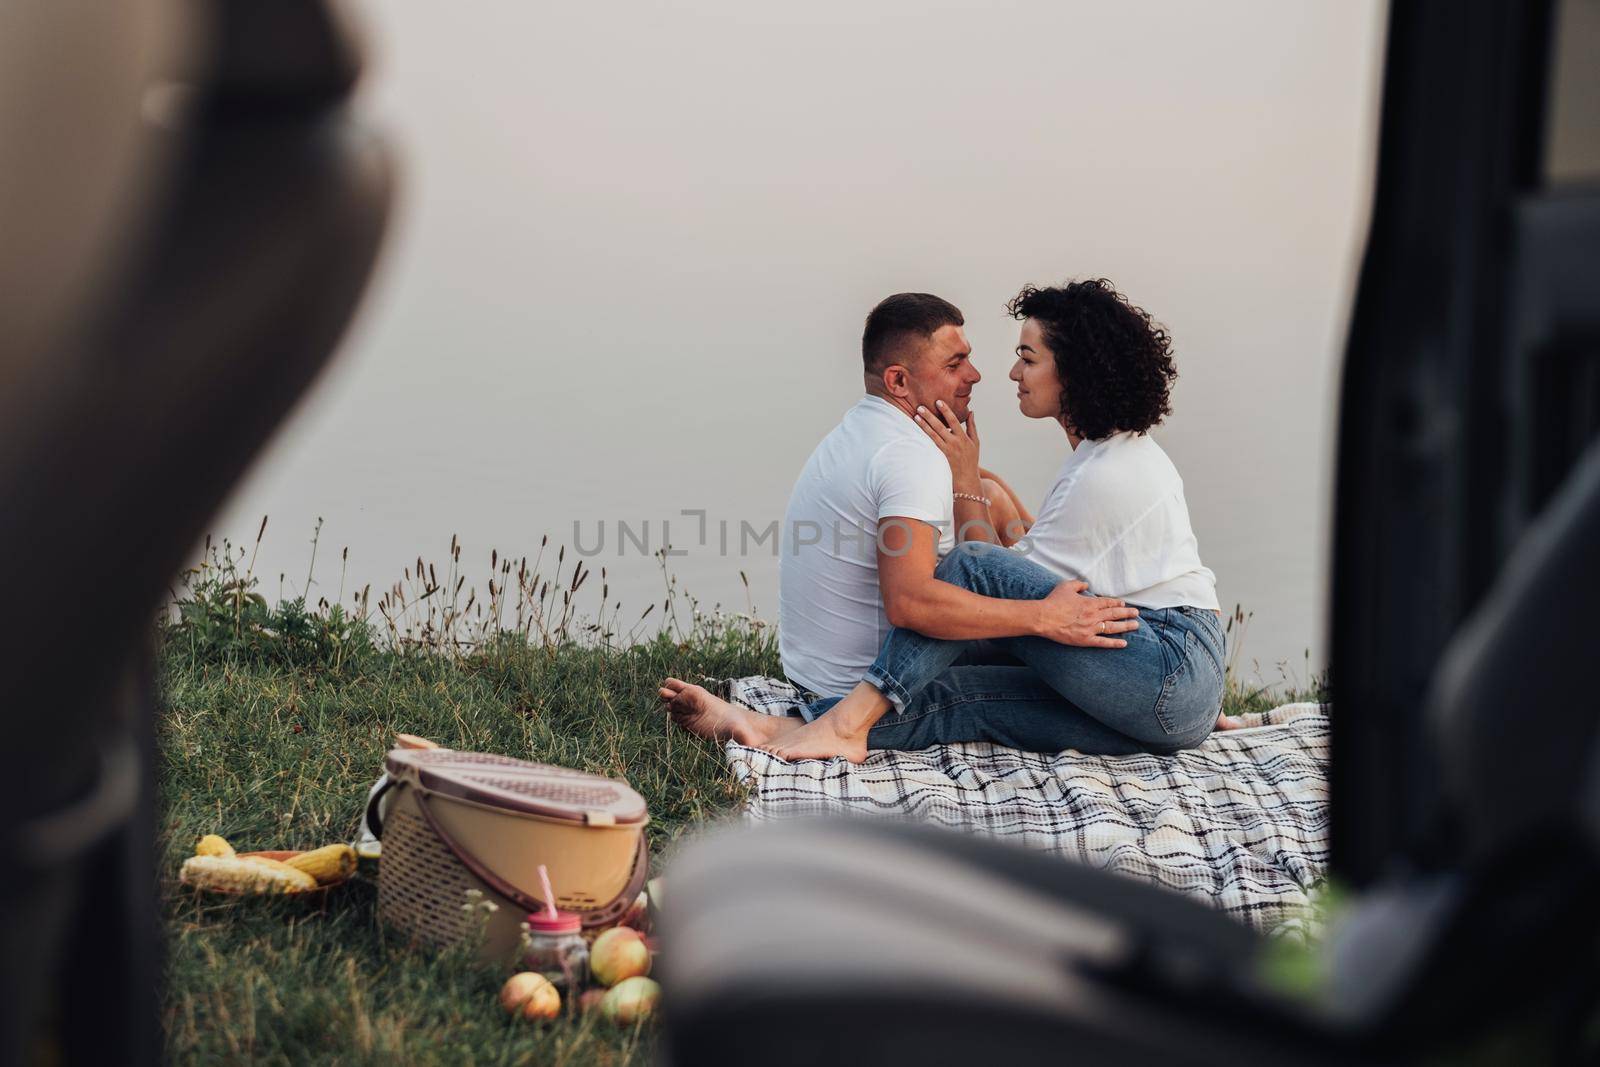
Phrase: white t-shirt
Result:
[875,464]
[1116,518]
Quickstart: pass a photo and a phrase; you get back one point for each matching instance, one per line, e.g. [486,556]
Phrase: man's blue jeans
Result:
[1160,694]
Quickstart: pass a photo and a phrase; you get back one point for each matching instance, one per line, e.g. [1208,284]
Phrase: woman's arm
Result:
[960,447]
[1023,514]
[973,521]
[1008,525]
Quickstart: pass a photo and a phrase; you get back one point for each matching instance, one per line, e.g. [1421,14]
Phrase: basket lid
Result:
[520,785]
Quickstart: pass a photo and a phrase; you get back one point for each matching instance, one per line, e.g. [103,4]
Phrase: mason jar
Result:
[555,948]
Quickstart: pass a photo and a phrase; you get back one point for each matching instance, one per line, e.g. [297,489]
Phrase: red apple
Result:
[530,996]
[617,954]
[630,1000]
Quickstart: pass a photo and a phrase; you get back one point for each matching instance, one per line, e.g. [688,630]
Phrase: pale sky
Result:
[636,242]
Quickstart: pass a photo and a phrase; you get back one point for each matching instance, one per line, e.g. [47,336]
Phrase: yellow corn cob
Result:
[234,875]
[330,863]
[266,861]
[212,845]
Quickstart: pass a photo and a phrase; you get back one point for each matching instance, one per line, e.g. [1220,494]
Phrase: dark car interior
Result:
[190,233]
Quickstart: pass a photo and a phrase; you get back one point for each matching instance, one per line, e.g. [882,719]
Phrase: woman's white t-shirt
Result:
[1116,519]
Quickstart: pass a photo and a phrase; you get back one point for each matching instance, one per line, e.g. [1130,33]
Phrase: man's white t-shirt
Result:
[1116,518]
[874,465]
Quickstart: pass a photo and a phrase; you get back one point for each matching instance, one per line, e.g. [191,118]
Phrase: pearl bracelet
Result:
[974,497]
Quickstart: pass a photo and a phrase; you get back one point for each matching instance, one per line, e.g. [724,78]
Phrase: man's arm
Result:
[915,600]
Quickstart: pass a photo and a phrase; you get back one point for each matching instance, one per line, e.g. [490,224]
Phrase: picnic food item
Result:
[646,908]
[617,955]
[530,996]
[212,845]
[553,944]
[591,1000]
[248,873]
[638,914]
[330,863]
[454,822]
[232,874]
[555,948]
[631,1000]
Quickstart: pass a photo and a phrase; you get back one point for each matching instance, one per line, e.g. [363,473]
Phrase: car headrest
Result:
[249,225]
[1513,707]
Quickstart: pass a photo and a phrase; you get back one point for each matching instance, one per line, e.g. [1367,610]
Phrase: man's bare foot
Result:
[1229,722]
[715,719]
[820,738]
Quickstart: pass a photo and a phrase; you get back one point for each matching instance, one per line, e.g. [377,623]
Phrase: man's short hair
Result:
[901,317]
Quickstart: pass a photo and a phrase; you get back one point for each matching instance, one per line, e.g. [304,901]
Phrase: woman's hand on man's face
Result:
[958,443]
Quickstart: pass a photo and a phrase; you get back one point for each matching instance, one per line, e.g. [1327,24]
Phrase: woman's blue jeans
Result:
[1160,694]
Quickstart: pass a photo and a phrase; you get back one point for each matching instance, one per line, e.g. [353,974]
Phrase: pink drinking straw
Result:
[549,894]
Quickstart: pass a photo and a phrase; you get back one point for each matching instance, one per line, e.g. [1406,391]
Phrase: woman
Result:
[1115,519]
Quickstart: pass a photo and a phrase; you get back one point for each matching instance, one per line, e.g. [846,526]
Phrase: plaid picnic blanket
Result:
[1240,822]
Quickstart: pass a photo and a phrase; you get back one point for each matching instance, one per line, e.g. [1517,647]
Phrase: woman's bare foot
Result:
[1229,722]
[715,719]
[821,738]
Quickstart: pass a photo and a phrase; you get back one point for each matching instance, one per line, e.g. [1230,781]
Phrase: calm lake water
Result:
[635,246]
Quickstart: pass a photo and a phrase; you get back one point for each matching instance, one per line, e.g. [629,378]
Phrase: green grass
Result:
[274,724]
[275,756]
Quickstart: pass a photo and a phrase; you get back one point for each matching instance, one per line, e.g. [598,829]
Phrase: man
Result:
[867,523]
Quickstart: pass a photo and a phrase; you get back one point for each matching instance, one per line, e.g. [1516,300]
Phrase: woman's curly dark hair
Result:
[1115,362]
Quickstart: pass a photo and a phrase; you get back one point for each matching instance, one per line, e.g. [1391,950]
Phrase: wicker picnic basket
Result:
[459,821]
